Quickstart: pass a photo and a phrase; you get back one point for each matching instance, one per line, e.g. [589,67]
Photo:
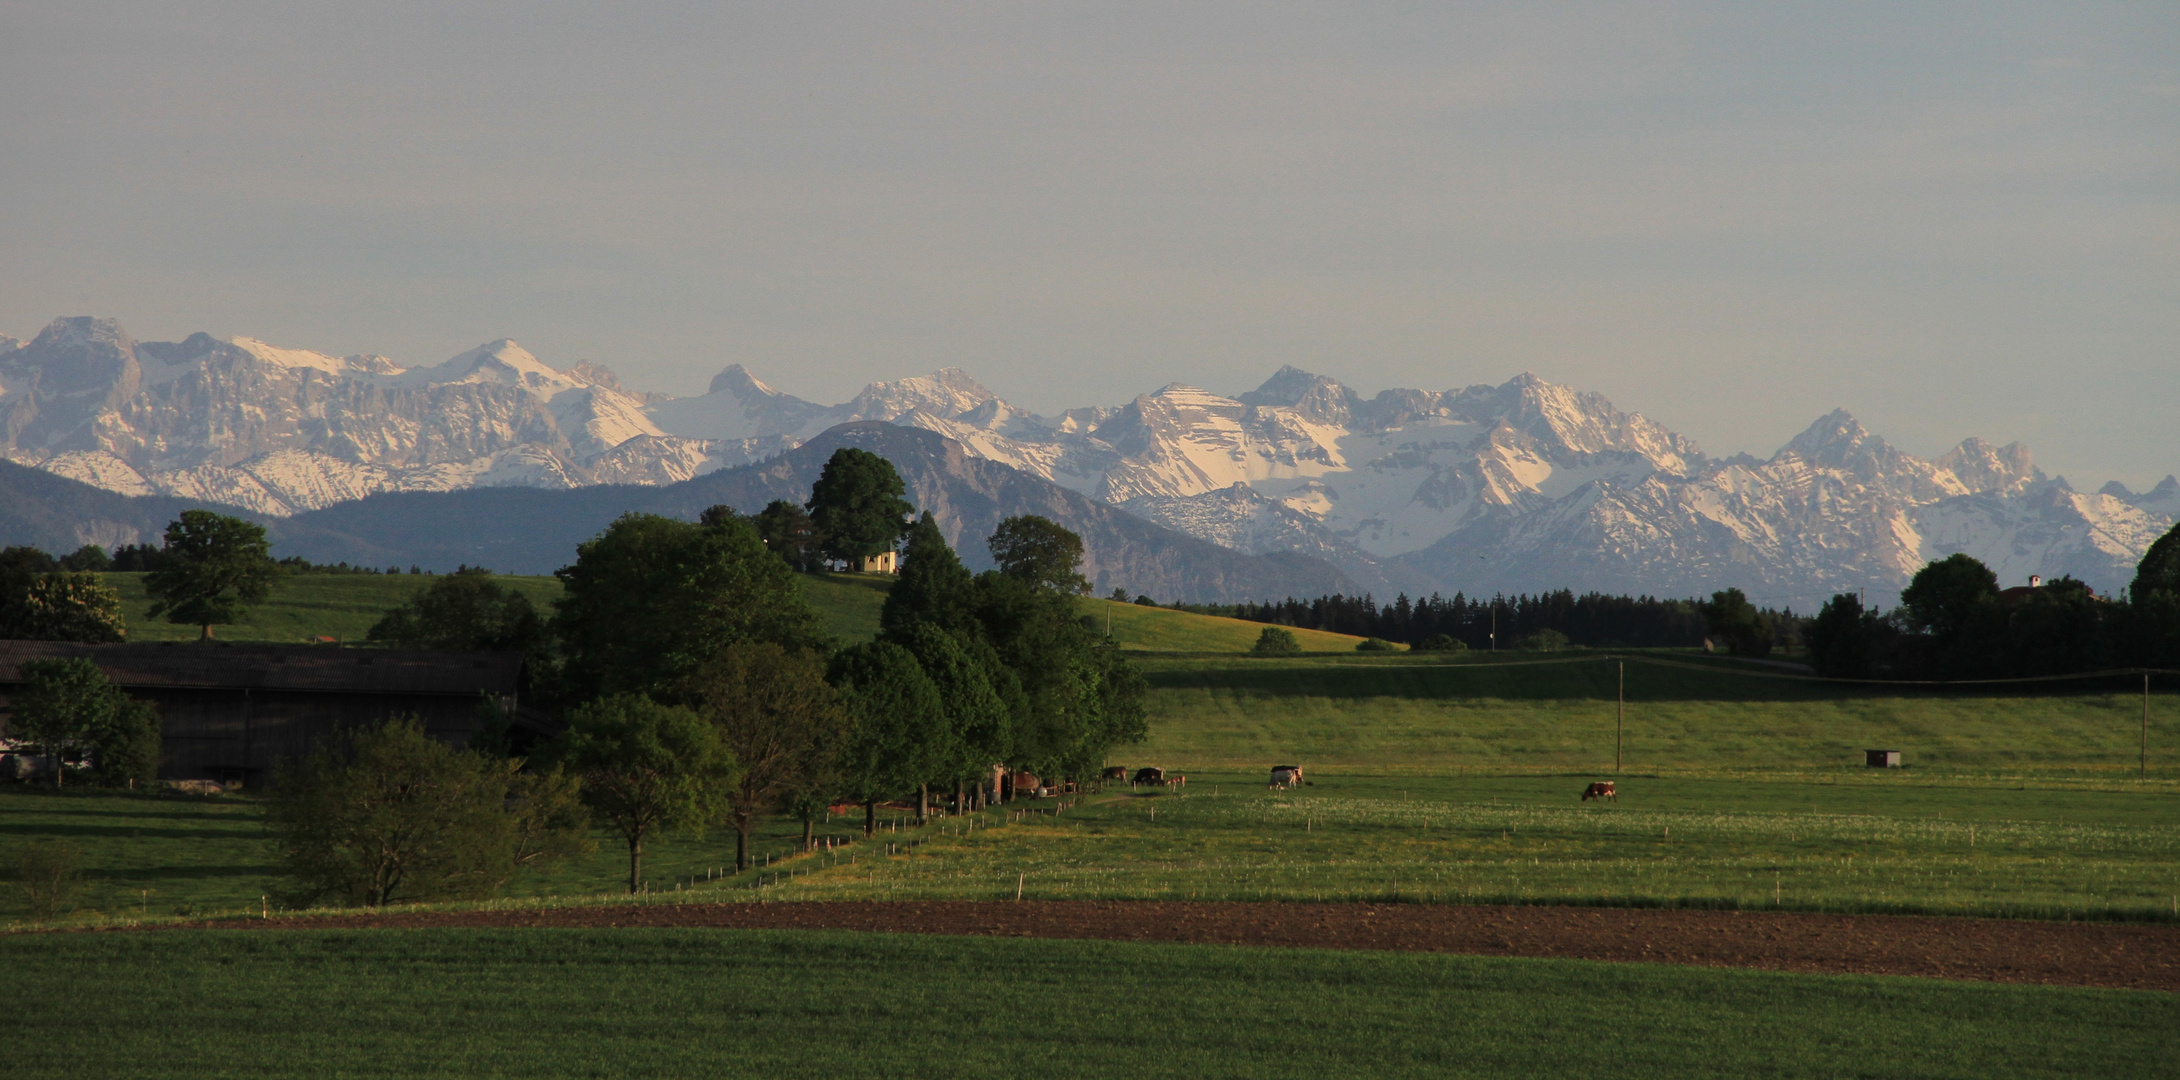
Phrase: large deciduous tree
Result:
[394,814]
[788,532]
[856,505]
[647,768]
[897,721]
[213,568]
[784,724]
[1040,552]
[652,599]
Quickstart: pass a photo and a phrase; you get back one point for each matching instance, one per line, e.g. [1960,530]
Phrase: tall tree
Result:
[1040,552]
[933,588]
[896,718]
[856,505]
[1744,630]
[979,728]
[212,570]
[90,558]
[647,768]
[1843,638]
[652,599]
[780,719]
[395,814]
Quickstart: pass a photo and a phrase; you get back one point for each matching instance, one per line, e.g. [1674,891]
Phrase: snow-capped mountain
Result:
[1520,486]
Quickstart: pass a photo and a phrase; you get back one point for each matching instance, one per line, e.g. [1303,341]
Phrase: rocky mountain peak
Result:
[945,393]
[1982,467]
[1832,440]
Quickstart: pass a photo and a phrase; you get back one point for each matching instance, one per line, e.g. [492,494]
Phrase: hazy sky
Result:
[1952,220]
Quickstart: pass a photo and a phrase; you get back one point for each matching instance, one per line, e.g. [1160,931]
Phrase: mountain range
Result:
[1519,486]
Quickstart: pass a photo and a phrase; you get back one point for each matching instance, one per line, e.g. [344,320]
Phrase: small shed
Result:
[1882,759]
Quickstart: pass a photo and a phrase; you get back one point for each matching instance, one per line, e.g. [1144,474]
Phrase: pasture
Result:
[648,1002]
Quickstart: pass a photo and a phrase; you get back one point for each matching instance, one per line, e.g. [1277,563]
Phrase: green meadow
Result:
[640,1003]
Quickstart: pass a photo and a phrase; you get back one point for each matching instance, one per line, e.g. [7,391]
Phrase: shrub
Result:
[398,815]
[1545,641]
[1441,643]
[1276,641]
[45,873]
[1375,645]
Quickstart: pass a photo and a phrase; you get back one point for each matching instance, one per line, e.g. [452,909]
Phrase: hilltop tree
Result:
[788,532]
[652,599]
[68,606]
[856,505]
[212,570]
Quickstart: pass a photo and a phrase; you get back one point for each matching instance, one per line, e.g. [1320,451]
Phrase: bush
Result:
[398,815]
[1276,641]
[1545,641]
[1441,643]
[45,873]
[1375,645]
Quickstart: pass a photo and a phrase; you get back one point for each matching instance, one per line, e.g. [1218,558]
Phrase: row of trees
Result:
[1591,619]
[1954,622]
[698,688]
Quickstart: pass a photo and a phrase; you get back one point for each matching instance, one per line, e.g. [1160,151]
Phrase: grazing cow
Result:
[1114,772]
[1149,775]
[1286,776]
[1602,789]
[1177,780]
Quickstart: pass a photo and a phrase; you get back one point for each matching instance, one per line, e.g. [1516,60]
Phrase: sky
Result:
[1949,219]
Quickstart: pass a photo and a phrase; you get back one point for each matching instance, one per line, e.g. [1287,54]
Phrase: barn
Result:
[232,712]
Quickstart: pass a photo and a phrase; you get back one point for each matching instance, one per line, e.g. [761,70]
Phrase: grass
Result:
[1668,843]
[166,856]
[846,604]
[305,607]
[550,1003]
[1151,629]
[1423,715]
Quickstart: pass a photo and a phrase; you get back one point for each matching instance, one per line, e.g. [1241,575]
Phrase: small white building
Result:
[885,562]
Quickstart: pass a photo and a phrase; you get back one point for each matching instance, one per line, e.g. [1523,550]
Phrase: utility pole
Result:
[1619,714]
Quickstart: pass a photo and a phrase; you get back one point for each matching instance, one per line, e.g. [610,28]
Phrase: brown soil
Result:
[2065,954]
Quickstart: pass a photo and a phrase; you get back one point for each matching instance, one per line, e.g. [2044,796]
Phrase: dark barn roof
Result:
[286,668]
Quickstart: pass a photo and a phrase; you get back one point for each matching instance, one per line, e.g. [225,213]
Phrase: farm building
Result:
[231,713]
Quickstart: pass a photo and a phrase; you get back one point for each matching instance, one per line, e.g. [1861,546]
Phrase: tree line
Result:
[1954,622]
[1462,622]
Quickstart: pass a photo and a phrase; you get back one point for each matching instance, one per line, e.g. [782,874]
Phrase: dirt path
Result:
[2064,954]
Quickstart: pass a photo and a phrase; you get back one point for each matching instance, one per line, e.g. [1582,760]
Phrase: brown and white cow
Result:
[1601,789]
[1286,776]
[1114,772]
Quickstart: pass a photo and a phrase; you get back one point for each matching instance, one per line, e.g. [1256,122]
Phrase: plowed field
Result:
[2064,954]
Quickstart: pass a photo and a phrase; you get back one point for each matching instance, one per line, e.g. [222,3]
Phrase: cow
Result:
[1177,780]
[1601,789]
[1114,772]
[1286,776]
[1149,774]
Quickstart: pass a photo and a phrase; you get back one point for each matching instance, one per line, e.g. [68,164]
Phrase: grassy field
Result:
[1433,715]
[145,856]
[1140,627]
[305,607]
[549,1003]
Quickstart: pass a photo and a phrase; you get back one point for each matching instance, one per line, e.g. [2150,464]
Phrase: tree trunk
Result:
[923,802]
[961,797]
[635,862]
[809,832]
[204,632]
[741,842]
[870,817]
